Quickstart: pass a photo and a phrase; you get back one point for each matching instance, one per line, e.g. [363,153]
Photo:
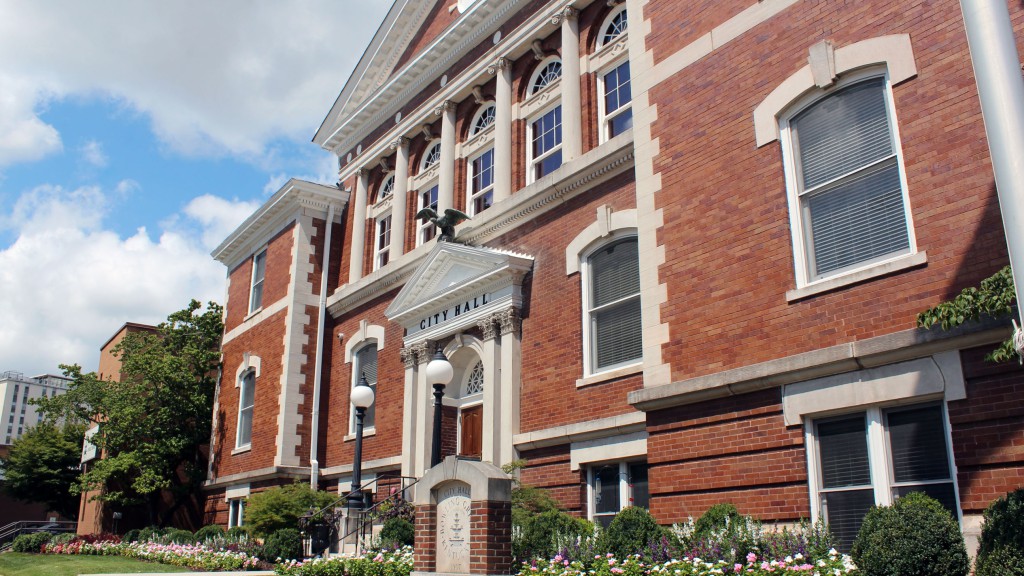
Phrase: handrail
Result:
[11,531]
[367,515]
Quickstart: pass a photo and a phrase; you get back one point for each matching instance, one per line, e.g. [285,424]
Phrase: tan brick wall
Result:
[276,279]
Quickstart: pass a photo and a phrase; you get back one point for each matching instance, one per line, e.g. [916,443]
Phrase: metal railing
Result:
[359,522]
[11,531]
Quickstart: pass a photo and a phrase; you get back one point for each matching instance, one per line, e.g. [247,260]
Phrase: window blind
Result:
[615,304]
[844,452]
[844,511]
[918,445]
[366,365]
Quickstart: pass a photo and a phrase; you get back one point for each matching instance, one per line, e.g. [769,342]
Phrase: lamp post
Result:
[439,374]
[362,398]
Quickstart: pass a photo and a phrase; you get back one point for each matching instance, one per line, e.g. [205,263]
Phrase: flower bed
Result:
[194,556]
[608,565]
[392,563]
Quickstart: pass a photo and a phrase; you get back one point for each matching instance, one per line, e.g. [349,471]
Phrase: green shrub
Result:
[631,532]
[283,544]
[916,536]
[131,535]
[151,534]
[281,506]
[31,543]
[209,531]
[177,536]
[396,532]
[238,532]
[540,536]
[1002,537]
[63,538]
[718,518]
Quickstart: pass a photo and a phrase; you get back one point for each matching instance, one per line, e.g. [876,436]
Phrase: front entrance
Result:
[472,423]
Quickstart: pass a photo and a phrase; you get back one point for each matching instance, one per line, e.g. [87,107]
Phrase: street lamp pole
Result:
[439,374]
[362,398]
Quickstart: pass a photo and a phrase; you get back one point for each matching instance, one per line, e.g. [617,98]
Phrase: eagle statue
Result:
[446,224]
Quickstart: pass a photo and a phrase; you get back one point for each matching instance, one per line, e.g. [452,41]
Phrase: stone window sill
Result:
[242,449]
[366,433]
[610,375]
[881,269]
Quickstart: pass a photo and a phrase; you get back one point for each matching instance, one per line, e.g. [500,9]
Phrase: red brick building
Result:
[700,236]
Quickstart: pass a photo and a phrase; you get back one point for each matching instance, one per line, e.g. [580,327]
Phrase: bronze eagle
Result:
[446,224]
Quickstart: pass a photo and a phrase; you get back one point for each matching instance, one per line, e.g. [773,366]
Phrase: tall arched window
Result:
[611,298]
[614,25]
[386,187]
[246,403]
[484,117]
[365,365]
[548,71]
[431,157]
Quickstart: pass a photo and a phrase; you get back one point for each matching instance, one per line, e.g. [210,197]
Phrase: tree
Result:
[281,506]
[994,298]
[42,466]
[153,422]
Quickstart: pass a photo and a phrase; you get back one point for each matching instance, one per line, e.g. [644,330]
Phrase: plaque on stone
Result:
[453,528]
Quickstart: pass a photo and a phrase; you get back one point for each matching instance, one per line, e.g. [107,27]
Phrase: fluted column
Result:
[510,344]
[446,177]
[400,201]
[410,414]
[355,265]
[424,434]
[491,359]
[503,130]
[572,110]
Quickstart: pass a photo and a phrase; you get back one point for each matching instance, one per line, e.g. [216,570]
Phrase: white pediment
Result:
[455,274]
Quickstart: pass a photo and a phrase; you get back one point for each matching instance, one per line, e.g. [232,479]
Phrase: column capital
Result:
[363,172]
[408,356]
[444,107]
[488,327]
[400,142]
[566,13]
[509,321]
[421,351]
[499,64]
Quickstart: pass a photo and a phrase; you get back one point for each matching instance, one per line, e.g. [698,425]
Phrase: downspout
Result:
[314,430]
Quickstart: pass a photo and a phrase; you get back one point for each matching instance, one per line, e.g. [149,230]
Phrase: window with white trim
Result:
[382,247]
[387,186]
[847,191]
[612,332]
[483,119]
[481,182]
[246,402]
[615,486]
[427,198]
[616,113]
[545,149]
[236,512]
[259,270]
[364,364]
[548,71]
[874,457]
[431,157]
[614,25]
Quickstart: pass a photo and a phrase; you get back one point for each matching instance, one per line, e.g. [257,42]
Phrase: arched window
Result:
[386,187]
[431,157]
[614,25]
[475,380]
[548,71]
[365,365]
[611,298]
[246,403]
[484,118]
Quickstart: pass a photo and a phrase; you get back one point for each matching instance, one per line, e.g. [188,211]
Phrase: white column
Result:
[410,412]
[446,178]
[509,325]
[355,265]
[424,406]
[503,130]
[492,407]
[399,202]
[572,110]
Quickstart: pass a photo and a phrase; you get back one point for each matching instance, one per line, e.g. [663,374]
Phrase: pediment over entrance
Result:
[455,285]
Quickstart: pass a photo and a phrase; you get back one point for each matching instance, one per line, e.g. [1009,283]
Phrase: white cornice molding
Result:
[275,213]
[600,164]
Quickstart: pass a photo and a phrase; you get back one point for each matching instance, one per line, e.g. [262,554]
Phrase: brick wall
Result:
[276,279]
[548,468]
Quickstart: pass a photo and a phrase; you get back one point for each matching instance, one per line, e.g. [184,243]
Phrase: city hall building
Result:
[700,235]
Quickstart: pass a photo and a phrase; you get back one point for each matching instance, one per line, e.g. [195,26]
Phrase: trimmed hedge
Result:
[396,533]
[1002,537]
[209,531]
[31,543]
[631,532]
[283,544]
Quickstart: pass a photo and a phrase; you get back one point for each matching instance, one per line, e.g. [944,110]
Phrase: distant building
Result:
[16,413]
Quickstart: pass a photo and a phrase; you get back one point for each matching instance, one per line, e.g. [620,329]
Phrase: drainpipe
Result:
[314,430]
[997,70]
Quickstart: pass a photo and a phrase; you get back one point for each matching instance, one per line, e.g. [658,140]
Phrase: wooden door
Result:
[472,432]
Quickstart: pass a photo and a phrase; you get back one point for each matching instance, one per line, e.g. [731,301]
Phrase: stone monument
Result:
[463,519]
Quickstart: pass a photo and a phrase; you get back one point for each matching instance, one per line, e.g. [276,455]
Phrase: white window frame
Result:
[879,457]
[424,164]
[483,108]
[589,357]
[356,370]
[625,488]
[236,512]
[605,116]
[382,254]
[239,445]
[535,79]
[470,195]
[531,162]
[797,217]
[255,283]
[423,225]
[384,191]
[607,22]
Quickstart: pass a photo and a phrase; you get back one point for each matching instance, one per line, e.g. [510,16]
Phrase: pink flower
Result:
[751,558]
[565,562]
[617,570]
[737,567]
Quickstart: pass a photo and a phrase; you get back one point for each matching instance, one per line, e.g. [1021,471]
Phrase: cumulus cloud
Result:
[213,77]
[69,283]
[218,217]
[92,153]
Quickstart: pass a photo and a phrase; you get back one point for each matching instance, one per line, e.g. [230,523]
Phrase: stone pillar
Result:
[492,407]
[411,414]
[509,326]
[355,265]
[399,202]
[424,405]
[503,130]
[572,110]
[446,176]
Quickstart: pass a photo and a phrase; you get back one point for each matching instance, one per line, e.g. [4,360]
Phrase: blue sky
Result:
[135,137]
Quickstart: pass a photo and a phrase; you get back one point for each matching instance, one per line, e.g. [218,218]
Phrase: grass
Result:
[17,564]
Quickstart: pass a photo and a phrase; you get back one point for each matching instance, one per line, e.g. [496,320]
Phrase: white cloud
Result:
[213,77]
[218,217]
[92,153]
[69,283]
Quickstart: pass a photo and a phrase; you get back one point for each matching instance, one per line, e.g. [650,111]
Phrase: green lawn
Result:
[16,564]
